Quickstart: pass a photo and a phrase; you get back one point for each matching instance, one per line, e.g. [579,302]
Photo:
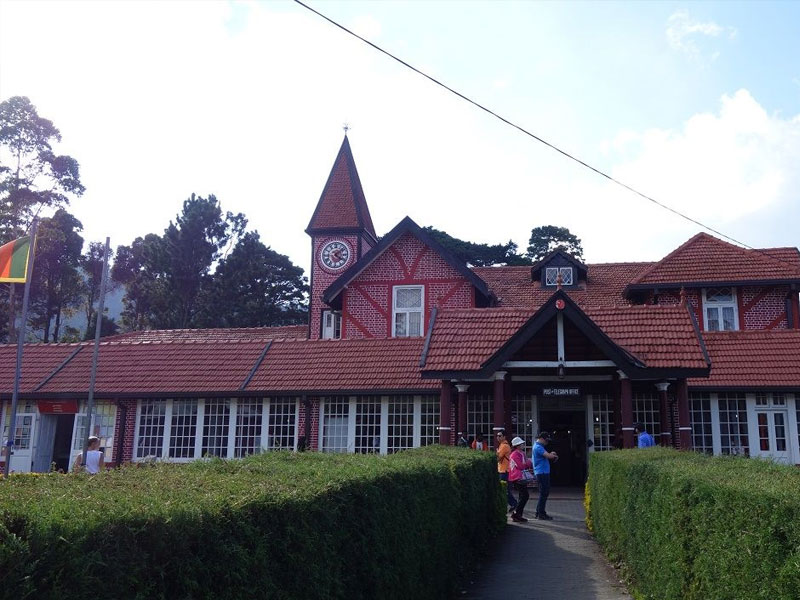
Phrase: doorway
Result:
[62,443]
[568,428]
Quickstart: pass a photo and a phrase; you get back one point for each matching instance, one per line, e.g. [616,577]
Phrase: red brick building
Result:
[408,346]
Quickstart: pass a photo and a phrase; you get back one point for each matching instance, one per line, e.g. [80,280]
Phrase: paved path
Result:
[548,559]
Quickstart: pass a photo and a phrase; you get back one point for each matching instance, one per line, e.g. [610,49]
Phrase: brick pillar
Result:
[461,430]
[663,401]
[617,407]
[684,426]
[626,410]
[445,422]
[499,404]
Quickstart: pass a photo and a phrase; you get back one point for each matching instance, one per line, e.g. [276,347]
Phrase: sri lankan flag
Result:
[14,260]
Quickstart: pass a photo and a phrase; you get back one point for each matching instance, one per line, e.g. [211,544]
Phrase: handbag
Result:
[527,475]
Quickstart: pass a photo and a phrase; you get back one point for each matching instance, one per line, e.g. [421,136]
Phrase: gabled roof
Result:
[216,335]
[752,359]
[536,269]
[643,340]
[407,225]
[342,206]
[704,259]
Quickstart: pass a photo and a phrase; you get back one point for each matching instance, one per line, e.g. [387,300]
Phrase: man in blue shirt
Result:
[645,439]
[541,468]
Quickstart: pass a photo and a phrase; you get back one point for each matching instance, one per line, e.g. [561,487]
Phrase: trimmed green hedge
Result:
[689,526]
[279,525]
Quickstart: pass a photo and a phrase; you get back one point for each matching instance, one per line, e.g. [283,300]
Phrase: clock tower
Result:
[341,232]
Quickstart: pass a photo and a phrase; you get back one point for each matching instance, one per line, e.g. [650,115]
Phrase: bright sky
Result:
[695,104]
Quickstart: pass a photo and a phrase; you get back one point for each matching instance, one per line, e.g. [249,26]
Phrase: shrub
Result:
[690,526]
[279,525]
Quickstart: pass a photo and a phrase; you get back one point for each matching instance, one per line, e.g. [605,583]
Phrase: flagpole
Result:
[98,323]
[12,423]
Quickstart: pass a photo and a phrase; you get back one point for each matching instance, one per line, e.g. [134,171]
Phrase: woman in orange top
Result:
[503,452]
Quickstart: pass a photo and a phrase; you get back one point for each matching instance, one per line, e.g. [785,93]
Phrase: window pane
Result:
[719,295]
[727,318]
[248,426]
[551,275]
[429,430]
[183,429]
[282,416]
[409,298]
[566,275]
[763,432]
[400,324]
[780,432]
[336,417]
[415,324]
[151,428]
[368,425]
[216,423]
[712,316]
[400,428]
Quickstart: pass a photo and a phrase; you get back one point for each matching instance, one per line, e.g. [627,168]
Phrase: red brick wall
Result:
[130,428]
[367,307]
[764,308]
[313,442]
[693,298]
[322,277]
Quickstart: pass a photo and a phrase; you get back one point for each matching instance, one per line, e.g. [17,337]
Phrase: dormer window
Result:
[551,275]
[720,312]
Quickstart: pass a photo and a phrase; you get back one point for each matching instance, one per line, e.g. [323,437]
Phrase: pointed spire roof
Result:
[342,206]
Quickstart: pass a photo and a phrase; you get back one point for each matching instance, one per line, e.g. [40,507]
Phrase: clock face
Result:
[335,254]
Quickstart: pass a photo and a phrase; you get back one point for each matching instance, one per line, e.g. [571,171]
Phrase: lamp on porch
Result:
[562,370]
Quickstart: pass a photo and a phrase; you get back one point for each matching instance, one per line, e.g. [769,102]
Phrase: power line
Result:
[539,139]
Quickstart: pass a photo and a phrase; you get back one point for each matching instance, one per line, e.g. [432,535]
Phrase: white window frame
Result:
[551,276]
[733,303]
[332,331]
[413,420]
[266,440]
[407,311]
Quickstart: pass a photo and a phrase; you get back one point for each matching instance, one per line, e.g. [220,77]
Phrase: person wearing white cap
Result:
[517,477]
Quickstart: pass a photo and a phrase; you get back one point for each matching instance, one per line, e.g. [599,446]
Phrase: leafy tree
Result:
[166,275]
[32,175]
[92,264]
[255,286]
[479,255]
[548,238]
[108,326]
[57,284]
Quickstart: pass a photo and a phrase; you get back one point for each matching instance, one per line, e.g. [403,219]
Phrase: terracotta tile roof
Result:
[606,282]
[38,361]
[345,365]
[659,336]
[217,335]
[704,258]
[752,359]
[158,368]
[342,204]
[462,340]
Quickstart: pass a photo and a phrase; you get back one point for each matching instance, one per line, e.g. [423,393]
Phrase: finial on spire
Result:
[346,128]
[559,280]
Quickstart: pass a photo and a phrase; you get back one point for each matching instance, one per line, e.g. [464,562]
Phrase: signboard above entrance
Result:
[58,407]
[561,391]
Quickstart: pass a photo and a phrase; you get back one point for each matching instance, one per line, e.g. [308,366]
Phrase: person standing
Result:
[479,443]
[517,463]
[541,468]
[503,453]
[645,439]
[95,460]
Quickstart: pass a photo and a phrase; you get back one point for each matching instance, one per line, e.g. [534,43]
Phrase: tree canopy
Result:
[548,238]
[479,255]
[186,278]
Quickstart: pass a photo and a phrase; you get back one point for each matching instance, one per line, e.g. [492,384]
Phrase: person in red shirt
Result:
[479,443]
